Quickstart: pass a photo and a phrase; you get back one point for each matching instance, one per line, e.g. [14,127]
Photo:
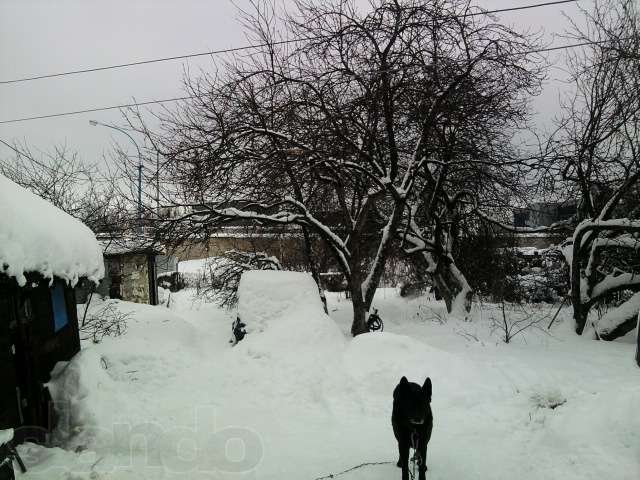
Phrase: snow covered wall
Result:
[35,236]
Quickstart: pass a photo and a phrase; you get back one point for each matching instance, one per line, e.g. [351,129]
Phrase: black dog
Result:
[412,422]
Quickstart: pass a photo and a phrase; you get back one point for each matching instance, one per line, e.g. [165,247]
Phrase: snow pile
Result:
[200,272]
[616,316]
[194,266]
[266,295]
[318,402]
[6,436]
[80,389]
[37,237]
[122,380]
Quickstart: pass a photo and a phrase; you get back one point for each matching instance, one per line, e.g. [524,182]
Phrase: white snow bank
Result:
[291,344]
[290,362]
[617,315]
[6,436]
[602,426]
[194,266]
[320,402]
[121,380]
[85,398]
[266,295]
[37,237]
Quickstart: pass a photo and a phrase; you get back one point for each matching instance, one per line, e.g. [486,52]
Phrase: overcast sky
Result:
[48,36]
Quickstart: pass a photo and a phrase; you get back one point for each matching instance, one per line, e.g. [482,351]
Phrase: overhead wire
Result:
[191,97]
[249,47]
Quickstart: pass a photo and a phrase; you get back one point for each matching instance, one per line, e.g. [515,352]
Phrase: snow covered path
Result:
[169,398]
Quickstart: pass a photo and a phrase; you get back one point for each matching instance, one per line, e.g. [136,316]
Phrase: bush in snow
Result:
[515,319]
[544,276]
[104,321]
[221,277]
[490,263]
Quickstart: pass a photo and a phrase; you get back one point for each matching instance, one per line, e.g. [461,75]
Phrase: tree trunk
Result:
[638,340]
[454,288]
[308,252]
[360,309]
[451,283]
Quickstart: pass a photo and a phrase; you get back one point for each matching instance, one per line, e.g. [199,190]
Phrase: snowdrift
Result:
[319,401]
[267,295]
[121,381]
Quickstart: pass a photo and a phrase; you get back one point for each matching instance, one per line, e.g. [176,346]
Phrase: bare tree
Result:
[596,150]
[355,130]
[64,179]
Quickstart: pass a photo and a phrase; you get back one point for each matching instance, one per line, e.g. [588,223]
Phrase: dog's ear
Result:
[426,388]
[396,391]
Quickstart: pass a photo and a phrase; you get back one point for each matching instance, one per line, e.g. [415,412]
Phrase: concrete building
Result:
[131,272]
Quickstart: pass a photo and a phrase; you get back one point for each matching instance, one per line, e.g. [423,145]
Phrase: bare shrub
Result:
[106,321]
[221,278]
[515,319]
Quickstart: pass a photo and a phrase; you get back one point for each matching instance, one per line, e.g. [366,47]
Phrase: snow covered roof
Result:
[128,244]
[35,236]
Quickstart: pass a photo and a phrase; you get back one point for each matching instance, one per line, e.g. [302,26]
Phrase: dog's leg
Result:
[403,461]
[422,468]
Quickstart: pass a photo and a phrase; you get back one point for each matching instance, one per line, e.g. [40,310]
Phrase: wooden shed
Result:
[43,253]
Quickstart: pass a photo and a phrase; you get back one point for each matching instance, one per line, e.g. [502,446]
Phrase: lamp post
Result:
[96,123]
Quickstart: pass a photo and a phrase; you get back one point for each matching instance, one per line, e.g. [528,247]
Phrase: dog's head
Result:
[412,400]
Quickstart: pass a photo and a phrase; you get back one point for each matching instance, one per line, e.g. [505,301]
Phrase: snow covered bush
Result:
[544,276]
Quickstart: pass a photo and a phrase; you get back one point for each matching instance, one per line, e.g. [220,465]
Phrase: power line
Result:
[248,47]
[100,109]
[524,7]
[144,62]
[191,97]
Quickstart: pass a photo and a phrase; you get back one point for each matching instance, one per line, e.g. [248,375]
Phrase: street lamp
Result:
[95,123]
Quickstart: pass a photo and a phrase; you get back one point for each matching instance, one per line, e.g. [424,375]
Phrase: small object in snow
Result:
[374,322]
[551,399]
[238,329]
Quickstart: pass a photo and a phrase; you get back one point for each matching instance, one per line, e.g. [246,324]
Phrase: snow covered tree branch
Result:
[368,116]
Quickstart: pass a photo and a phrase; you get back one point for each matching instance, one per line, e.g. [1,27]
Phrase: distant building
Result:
[131,270]
[543,214]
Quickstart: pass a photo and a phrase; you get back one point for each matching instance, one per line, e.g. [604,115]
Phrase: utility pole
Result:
[158,183]
[95,123]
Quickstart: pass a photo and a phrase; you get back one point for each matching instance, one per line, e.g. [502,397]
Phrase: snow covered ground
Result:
[171,399]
